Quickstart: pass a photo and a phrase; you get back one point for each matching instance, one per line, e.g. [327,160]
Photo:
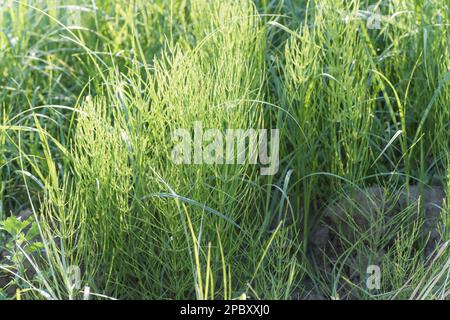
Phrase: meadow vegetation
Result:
[92,91]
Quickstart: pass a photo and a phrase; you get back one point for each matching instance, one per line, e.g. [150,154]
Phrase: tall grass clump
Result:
[141,223]
[369,107]
[93,204]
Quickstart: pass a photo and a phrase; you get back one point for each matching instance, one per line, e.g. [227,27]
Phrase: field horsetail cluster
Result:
[224,149]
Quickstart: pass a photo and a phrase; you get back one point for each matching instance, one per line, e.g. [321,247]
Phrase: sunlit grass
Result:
[91,91]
